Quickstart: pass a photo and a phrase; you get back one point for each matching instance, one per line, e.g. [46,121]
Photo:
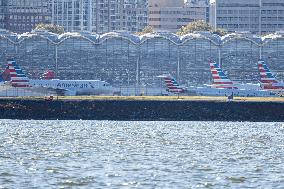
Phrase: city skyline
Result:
[257,16]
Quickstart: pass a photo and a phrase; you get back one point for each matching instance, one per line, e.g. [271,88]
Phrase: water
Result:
[105,154]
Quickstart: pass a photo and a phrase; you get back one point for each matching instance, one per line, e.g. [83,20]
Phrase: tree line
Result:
[190,28]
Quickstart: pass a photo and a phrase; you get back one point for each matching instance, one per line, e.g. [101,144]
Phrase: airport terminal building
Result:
[124,59]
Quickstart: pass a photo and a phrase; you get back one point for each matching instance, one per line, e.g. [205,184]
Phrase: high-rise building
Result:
[75,15]
[100,16]
[171,15]
[21,16]
[3,8]
[255,16]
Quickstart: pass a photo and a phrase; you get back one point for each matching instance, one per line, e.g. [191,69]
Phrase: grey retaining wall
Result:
[141,110]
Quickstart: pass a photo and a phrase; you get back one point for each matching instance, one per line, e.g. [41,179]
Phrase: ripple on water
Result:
[99,154]
[236,179]
[76,182]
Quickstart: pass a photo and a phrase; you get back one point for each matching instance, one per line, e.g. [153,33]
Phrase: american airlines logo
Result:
[91,85]
[72,85]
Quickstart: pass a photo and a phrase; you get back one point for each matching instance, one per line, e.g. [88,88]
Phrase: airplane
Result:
[56,86]
[267,78]
[224,86]
[222,81]
[221,86]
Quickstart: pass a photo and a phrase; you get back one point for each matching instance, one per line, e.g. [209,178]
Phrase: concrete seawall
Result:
[170,110]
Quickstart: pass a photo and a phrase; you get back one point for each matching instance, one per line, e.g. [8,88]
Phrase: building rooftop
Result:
[135,39]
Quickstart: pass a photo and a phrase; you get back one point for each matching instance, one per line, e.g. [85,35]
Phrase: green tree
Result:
[147,29]
[51,28]
[200,26]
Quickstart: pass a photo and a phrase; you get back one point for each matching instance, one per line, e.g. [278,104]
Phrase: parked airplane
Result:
[267,79]
[221,86]
[224,86]
[59,87]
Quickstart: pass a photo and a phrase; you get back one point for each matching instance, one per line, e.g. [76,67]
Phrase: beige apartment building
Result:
[255,16]
[171,15]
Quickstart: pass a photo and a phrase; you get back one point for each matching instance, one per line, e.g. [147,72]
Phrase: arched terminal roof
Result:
[135,39]
[216,39]
[245,36]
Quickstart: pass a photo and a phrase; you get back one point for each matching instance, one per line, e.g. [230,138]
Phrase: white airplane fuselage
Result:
[207,91]
[74,87]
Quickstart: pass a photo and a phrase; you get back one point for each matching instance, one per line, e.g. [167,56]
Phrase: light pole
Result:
[178,64]
[137,90]
[56,60]
[81,15]
[219,56]
[260,52]
[127,72]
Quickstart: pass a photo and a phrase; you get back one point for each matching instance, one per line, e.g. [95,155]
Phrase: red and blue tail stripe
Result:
[265,74]
[18,78]
[172,84]
[267,79]
[220,79]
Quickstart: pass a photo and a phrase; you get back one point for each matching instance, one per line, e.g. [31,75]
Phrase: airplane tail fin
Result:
[172,84]
[49,74]
[6,74]
[266,77]
[18,78]
[220,79]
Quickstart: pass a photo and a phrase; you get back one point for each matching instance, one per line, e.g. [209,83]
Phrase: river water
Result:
[110,154]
